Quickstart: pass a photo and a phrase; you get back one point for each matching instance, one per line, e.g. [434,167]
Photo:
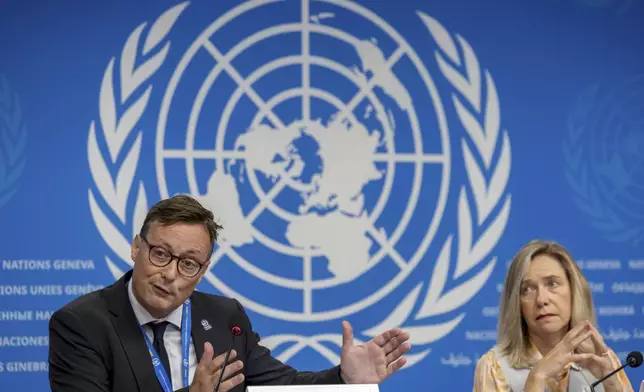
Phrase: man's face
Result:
[163,289]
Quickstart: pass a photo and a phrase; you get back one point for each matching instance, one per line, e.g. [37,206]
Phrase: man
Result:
[150,331]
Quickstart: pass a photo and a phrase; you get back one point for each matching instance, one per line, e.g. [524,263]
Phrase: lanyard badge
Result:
[159,370]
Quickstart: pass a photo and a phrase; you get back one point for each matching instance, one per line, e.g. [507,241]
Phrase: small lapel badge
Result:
[205,324]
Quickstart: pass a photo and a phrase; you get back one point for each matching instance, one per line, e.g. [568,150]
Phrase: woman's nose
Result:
[543,296]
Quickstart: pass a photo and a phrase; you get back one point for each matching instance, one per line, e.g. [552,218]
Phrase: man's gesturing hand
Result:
[208,370]
[374,361]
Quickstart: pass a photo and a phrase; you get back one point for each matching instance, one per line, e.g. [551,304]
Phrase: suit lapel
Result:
[210,324]
[208,327]
[130,335]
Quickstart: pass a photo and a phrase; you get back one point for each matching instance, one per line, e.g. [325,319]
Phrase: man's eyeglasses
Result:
[160,257]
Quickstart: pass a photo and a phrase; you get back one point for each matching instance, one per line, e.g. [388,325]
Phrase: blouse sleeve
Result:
[488,376]
[621,375]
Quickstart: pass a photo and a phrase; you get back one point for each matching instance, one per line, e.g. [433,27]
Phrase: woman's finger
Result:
[582,358]
[578,329]
[571,343]
[598,342]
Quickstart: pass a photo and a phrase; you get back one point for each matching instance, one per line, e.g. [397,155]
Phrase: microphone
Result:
[633,359]
[234,323]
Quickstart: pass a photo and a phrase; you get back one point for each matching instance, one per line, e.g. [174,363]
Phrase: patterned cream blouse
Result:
[490,377]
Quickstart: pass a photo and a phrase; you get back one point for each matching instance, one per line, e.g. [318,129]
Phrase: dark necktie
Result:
[158,329]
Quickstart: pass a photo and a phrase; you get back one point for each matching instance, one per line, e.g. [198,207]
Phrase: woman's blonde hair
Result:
[513,339]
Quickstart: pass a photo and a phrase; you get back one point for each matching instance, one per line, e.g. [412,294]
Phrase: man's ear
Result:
[136,247]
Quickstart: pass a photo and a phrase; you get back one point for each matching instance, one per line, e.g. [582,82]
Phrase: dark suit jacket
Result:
[95,344]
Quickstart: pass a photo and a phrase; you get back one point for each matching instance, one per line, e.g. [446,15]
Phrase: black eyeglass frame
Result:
[172,257]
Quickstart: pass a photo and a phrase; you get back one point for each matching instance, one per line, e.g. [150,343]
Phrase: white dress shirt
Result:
[171,339]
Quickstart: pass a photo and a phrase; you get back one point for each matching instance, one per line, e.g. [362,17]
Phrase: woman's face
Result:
[545,297]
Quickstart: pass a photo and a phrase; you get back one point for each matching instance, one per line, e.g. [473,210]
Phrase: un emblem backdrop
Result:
[372,161]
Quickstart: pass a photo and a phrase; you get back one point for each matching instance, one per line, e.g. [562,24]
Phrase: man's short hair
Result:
[182,209]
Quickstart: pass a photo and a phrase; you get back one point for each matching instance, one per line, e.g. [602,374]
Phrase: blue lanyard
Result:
[162,376]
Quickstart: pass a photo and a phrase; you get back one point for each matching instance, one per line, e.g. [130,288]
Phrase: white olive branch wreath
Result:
[476,101]
[116,129]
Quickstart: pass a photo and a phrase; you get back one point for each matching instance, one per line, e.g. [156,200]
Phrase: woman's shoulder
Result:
[491,361]
[490,357]
[489,373]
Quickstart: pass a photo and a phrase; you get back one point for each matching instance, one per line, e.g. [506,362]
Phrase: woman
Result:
[547,338]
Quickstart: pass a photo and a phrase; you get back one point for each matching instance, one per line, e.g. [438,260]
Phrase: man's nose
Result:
[170,272]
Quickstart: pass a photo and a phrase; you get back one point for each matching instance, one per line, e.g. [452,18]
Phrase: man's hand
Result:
[374,361]
[209,368]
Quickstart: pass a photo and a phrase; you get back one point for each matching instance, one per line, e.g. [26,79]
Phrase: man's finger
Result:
[386,336]
[395,342]
[222,357]
[231,383]
[231,369]
[394,367]
[219,360]
[206,361]
[397,353]
[208,352]
[217,363]
[347,335]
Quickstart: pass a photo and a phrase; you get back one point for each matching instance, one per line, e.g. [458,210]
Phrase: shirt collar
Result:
[144,317]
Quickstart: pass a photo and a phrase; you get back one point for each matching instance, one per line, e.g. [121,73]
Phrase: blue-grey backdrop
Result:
[374,161]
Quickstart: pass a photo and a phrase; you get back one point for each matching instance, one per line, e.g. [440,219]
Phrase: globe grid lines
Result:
[244,86]
[221,154]
[419,159]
